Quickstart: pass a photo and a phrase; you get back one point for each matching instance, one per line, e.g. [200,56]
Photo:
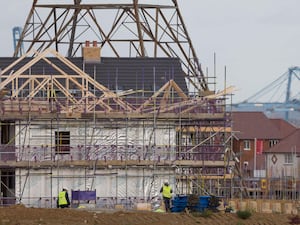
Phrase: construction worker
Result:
[63,199]
[167,191]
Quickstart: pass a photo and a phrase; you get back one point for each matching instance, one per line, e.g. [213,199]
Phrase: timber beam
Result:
[111,164]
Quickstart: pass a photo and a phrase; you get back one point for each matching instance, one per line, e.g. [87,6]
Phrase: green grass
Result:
[206,213]
[244,214]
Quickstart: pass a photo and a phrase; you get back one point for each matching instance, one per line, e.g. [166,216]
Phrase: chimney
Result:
[91,54]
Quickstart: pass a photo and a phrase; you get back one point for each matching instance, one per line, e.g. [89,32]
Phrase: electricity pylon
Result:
[130,28]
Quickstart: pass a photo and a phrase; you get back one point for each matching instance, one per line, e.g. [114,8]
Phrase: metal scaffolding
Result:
[122,144]
[61,127]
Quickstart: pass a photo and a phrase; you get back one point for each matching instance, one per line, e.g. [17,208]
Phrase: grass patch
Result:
[206,213]
[244,214]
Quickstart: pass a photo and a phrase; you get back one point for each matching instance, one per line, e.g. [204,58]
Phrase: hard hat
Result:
[166,183]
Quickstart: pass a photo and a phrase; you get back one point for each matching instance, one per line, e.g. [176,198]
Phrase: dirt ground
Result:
[19,215]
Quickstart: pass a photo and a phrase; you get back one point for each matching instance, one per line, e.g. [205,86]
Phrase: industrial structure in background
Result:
[17,31]
[110,98]
[279,99]
[267,144]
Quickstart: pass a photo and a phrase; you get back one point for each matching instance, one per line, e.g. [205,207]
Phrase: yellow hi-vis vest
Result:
[62,198]
[167,191]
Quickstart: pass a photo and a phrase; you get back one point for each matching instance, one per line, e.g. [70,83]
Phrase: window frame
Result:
[247,145]
[273,142]
[288,158]
[62,142]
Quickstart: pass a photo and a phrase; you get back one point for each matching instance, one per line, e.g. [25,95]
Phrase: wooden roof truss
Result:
[79,92]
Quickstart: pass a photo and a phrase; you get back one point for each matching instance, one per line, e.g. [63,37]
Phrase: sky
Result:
[256,40]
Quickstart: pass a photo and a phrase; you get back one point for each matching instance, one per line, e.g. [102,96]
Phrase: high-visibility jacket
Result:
[62,200]
[167,191]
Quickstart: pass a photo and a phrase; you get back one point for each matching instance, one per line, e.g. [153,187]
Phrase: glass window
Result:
[62,142]
[288,158]
[186,140]
[246,145]
[272,143]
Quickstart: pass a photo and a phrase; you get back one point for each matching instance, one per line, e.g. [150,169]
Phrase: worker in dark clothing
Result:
[167,191]
[63,199]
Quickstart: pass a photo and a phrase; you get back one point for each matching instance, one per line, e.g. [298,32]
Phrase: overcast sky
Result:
[257,40]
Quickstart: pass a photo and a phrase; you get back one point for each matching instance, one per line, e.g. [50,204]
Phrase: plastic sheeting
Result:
[37,188]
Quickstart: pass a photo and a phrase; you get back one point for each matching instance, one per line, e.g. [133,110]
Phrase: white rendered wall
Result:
[37,142]
[40,187]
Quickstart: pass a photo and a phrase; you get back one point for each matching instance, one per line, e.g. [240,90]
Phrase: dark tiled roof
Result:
[117,73]
[289,144]
[250,125]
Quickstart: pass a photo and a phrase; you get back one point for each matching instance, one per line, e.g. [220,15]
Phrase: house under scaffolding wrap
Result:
[62,127]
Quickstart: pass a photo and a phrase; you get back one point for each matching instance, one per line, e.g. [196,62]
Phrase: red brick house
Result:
[254,135]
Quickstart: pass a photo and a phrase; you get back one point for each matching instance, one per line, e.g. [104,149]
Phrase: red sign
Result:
[259,147]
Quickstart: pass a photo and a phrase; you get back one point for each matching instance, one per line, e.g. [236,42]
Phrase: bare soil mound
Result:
[20,215]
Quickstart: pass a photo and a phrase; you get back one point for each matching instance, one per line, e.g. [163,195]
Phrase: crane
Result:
[279,90]
[17,31]
[282,96]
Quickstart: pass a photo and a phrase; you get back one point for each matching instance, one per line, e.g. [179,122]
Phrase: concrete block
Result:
[287,208]
[233,205]
[266,207]
[242,205]
[87,206]
[253,206]
[276,207]
[143,206]
[119,207]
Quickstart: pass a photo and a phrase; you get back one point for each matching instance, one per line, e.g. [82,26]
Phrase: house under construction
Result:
[118,125]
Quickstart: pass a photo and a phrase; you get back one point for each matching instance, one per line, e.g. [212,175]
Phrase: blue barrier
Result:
[201,204]
[204,201]
[179,203]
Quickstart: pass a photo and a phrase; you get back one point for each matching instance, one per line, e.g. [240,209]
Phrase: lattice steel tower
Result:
[131,28]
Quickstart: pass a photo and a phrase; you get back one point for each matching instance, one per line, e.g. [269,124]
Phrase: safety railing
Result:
[110,152]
